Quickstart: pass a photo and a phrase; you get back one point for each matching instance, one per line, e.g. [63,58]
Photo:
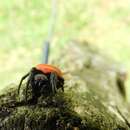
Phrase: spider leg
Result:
[62,88]
[62,85]
[53,81]
[30,82]
[24,77]
[27,86]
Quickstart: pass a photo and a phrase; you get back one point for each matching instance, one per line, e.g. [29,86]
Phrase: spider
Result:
[42,79]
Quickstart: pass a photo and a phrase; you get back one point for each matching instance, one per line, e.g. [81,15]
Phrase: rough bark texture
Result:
[91,101]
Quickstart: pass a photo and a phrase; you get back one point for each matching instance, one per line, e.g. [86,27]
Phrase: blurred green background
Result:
[24,26]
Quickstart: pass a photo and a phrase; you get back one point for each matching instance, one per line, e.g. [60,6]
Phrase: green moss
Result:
[89,101]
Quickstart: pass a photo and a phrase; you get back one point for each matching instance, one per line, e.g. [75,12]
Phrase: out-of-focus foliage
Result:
[24,24]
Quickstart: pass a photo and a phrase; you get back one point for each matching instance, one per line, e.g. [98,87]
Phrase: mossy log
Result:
[91,100]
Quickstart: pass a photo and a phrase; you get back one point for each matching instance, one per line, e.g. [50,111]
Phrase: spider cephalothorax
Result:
[43,79]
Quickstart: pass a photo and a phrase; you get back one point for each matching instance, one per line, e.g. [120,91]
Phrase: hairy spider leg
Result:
[28,83]
[61,84]
[53,81]
[24,77]
[62,88]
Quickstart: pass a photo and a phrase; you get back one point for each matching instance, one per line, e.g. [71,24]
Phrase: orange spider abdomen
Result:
[45,68]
